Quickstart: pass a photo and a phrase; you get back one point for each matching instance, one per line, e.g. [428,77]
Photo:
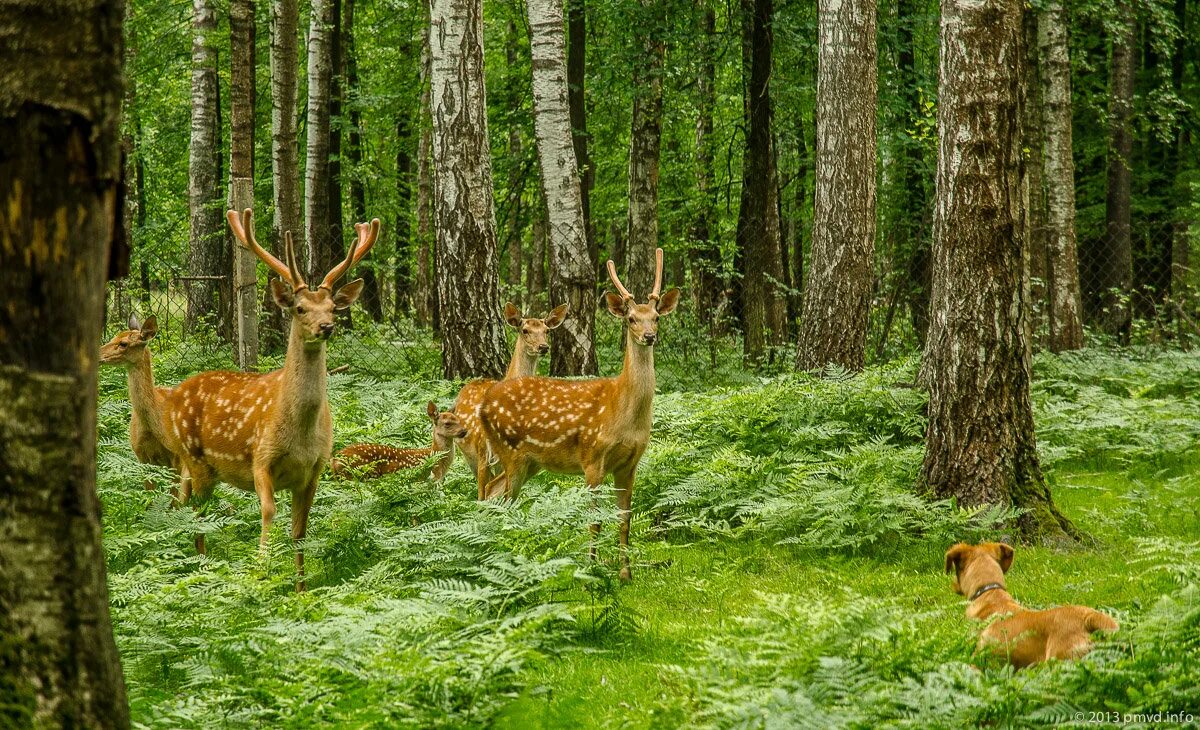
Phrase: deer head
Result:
[641,319]
[533,334]
[446,426]
[128,346]
[312,310]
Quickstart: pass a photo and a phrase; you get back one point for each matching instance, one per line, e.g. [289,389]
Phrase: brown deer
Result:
[595,427]
[533,341]
[268,432]
[372,461]
[128,349]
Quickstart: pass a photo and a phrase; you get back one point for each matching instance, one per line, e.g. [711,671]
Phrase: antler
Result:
[612,274]
[367,235]
[243,231]
[658,266]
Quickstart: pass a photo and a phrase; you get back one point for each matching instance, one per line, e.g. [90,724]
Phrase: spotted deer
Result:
[533,341]
[268,432]
[372,461]
[595,427]
[129,349]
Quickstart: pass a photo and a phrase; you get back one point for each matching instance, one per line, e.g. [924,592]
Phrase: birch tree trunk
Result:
[1114,260]
[980,445]
[572,275]
[206,240]
[837,295]
[645,140]
[241,176]
[1066,309]
[473,343]
[60,170]
[317,231]
[759,234]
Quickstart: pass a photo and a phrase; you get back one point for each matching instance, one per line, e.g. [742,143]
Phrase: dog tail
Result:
[1096,621]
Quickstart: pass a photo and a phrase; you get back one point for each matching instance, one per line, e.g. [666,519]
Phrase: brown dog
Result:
[1023,637]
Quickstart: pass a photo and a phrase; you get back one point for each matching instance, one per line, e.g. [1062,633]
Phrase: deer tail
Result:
[1097,621]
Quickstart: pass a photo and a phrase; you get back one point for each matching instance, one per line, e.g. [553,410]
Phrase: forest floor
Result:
[785,573]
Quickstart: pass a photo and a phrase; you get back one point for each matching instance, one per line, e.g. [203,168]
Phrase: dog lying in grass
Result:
[1022,637]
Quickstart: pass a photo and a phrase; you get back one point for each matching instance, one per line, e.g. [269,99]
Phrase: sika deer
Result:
[372,461]
[128,349]
[533,341]
[268,432]
[595,427]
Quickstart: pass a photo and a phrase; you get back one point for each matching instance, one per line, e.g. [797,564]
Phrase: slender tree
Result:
[913,218]
[319,235]
[1065,310]
[406,299]
[60,170]
[1114,260]
[645,142]
[572,274]
[285,165]
[371,298]
[207,253]
[425,297]
[577,100]
[980,445]
[241,174]
[705,255]
[837,295]
[1034,181]
[468,284]
[516,184]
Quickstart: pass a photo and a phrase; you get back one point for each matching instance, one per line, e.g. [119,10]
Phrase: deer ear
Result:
[431,409]
[149,327]
[512,315]
[1004,555]
[616,305]
[667,303]
[348,294]
[557,316]
[283,295]
[954,557]
[134,322]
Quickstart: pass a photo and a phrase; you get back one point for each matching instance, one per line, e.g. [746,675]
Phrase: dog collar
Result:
[984,589]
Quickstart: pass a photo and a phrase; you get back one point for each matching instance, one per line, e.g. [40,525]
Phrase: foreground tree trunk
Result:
[572,275]
[1114,260]
[60,182]
[1065,306]
[645,142]
[759,237]
[980,439]
[206,240]
[837,295]
[468,287]
[317,230]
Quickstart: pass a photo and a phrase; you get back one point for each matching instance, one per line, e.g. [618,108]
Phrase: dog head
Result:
[977,565]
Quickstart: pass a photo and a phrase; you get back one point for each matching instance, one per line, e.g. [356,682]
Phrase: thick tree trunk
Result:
[473,343]
[645,141]
[317,233]
[759,237]
[705,255]
[1114,260]
[60,169]
[207,253]
[371,298]
[980,440]
[912,235]
[577,101]
[572,275]
[241,176]
[425,298]
[837,295]
[1066,309]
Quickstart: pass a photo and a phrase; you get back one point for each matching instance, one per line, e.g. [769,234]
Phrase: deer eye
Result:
[631,319]
[124,345]
[299,309]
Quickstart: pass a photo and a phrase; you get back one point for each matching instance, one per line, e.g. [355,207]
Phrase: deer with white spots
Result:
[533,341]
[268,432]
[129,349]
[372,461]
[595,427]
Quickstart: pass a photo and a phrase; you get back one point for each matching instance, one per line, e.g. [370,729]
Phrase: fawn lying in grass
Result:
[371,461]
[1023,637]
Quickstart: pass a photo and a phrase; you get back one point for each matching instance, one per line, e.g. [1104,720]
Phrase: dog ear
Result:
[1004,556]
[954,557]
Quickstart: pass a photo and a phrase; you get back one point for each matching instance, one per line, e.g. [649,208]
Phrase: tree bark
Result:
[913,219]
[371,297]
[536,262]
[577,101]
[759,236]
[60,170]
[318,235]
[285,164]
[516,183]
[837,295]
[705,255]
[1066,308]
[473,343]
[1034,184]
[406,298]
[241,176]
[572,275]
[334,250]
[1114,260]
[645,141]
[207,253]
[980,445]
[425,298]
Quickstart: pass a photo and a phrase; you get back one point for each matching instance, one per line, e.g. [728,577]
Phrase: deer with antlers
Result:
[595,427]
[533,341]
[268,432]
[372,461]
[129,349]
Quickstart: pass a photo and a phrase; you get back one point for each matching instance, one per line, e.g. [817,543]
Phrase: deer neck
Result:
[523,363]
[142,395]
[445,447]
[635,384]
[302,389]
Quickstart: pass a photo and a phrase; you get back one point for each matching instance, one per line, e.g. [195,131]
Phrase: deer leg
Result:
[302,500]
[624,483]
[594,477]
[264,485]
